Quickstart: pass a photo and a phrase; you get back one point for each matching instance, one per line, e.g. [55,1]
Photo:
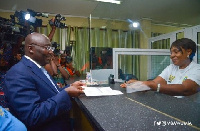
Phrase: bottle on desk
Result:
[88,77]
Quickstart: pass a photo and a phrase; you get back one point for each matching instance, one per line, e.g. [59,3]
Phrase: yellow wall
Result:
[6,14]
[163,29]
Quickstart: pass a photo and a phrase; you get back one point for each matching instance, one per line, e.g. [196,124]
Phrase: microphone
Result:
[45,15]
[42,14]
[33,13]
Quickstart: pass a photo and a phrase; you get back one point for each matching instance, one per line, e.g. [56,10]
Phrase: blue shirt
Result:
[10,123]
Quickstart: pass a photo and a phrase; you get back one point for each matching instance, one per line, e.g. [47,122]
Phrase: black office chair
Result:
[128,77]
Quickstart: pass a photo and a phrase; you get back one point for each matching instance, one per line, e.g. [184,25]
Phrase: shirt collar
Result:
[39,66]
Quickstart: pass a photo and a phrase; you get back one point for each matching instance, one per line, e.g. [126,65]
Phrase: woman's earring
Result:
[187,56]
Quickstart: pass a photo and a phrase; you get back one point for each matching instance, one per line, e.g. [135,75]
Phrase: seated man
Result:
[32,94]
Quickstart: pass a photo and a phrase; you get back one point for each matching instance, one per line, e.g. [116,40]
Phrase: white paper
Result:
[136,86]
[100,91]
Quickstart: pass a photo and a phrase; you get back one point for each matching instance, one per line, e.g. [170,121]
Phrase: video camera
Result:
[30,17]
[19,25]
[57,22]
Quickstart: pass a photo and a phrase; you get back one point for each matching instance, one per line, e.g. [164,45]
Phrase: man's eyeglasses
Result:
[50,48]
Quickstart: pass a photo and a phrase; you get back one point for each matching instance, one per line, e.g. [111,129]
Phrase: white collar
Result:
[39,66]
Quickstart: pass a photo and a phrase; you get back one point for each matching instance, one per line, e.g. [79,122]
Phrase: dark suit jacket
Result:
[34,100]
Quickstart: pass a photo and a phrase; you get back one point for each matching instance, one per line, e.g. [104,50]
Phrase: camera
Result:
[57,22]
[56,45]
[21,17]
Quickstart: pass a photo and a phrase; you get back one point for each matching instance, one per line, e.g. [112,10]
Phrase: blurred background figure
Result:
[69,67]
[108,64]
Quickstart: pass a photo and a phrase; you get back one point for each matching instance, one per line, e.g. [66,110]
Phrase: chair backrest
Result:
[127,77]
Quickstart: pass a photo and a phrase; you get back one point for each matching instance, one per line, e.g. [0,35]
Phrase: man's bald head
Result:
[36,48]
[35,38]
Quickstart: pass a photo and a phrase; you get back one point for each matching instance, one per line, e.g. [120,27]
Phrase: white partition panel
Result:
[131,51]
[190,33]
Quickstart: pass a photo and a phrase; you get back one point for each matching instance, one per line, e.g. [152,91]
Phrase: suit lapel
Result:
[38,72]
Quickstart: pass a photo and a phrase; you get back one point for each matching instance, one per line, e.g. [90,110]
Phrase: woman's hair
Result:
[185,43]
[68,59]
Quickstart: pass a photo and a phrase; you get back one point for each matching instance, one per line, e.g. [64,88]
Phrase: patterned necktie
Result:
[47,75]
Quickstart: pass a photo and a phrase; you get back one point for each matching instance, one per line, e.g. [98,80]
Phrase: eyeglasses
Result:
[50,48]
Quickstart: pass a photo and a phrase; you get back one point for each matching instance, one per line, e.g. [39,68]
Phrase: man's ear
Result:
[31,49]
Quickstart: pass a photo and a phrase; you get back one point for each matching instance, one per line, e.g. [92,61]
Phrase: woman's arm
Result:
[64,73]
[188,87]
[62,70]
[50,36]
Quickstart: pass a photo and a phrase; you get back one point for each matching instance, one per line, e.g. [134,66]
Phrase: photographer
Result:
[69,67]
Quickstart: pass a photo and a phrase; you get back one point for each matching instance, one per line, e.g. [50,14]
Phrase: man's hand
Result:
[74,91]
[78,83]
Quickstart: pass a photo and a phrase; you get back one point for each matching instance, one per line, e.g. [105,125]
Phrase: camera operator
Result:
[54,68]
[57,21]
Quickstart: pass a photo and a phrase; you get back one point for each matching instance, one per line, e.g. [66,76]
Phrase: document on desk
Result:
[100,91]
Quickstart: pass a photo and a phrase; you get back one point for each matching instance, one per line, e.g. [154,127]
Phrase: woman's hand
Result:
[123,85]
[128,82]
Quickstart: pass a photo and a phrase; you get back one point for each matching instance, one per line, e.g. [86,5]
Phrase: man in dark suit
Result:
[32,95]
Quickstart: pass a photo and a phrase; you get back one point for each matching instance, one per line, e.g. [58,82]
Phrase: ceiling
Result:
[178,12]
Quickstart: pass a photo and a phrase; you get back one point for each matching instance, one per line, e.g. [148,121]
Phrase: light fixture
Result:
[27,16]
[30,18]
[135,24]
[111,1]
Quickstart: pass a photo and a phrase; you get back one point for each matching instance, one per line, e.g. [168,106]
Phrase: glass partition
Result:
[142,64]
[161,44]
[132,66]
[101,58]
[179,35]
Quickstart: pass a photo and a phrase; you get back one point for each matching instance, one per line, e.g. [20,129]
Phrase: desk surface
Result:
[141,111]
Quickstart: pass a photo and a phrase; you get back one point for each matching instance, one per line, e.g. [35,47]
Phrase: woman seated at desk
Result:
[182,78]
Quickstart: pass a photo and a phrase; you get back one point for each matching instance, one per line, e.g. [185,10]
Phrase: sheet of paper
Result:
[136,86]
[100,91]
